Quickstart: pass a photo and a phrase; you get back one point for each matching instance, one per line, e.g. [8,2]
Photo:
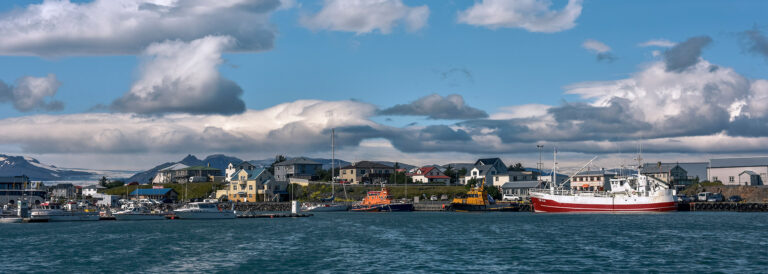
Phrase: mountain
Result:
[219,161]
[21,165]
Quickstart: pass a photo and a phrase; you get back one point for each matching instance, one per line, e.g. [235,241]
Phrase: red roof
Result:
[438,177]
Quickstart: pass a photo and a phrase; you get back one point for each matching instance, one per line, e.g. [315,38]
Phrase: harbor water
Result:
[398,242]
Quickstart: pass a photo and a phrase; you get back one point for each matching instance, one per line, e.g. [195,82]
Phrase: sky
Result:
[128,84]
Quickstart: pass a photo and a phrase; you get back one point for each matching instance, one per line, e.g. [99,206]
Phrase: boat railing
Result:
[593,193]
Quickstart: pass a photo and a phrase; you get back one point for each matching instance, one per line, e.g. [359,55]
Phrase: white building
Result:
[513,176]
[91,190]
[430,175]
[738,171]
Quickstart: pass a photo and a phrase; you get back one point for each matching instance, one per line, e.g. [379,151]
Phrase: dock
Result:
[737,207]
[275,215]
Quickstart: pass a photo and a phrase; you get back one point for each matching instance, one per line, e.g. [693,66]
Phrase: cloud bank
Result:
[30,93]
[108,27]
[181,77]
[435,106]
[531,15]
[365,16]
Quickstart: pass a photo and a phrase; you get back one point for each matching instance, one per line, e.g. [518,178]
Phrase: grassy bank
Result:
[194,190]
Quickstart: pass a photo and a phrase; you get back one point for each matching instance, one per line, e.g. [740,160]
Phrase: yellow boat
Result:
[477,199]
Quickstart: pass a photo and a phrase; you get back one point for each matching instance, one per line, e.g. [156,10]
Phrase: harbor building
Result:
[672,174]
[514,176]
[430,174]
[484,169]
[592,180]
[14,188]
[64,190]
[300,168]
[366,172]
[254,185]
[161,194]
[738,171]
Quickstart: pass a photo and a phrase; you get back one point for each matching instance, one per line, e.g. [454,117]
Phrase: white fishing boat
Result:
[68,213]
[8,218]
[203,210]
[137,213]
[637,193]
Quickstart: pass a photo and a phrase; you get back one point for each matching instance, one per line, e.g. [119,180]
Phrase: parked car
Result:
[735,199]
[716,197]
[684,199]
[433,198]
[510,197]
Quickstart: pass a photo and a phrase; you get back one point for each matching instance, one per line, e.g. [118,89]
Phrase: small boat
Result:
[138,213]
[68,213]
[203,210]
[324,207]
[9,219]
[477,199]
[381,201]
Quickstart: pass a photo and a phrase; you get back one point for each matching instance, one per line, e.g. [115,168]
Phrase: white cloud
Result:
[595,46]
[183,77]
[531,15]
[364,16]
[56,28]
[30,93]
[664,43]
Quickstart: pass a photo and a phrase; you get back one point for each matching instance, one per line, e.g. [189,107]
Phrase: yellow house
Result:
[248,185]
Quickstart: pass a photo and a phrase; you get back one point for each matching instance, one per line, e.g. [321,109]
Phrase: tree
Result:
[494,192]
[103,181]
[516,167]
[450,173]
[278,159]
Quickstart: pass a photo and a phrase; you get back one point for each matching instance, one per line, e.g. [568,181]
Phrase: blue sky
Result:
[493,69]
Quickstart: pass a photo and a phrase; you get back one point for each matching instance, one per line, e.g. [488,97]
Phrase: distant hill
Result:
[219,161]
[22,165]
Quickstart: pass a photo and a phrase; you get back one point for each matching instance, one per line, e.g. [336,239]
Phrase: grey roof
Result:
[751,173]
[738,162]
[484,169]
[656,168]
[594,172]
[695,169]
[521,184]
[367,164]
[297,161]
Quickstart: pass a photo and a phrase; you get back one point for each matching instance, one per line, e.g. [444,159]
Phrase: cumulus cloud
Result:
[755,42]
[601,50]
[365,16]
[58,28]
[274,129]
[182,77]
[30,93]
[663,43]
[531,15]
[435,106]
[685,54]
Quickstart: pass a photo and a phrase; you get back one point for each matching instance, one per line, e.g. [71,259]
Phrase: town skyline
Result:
[131,84]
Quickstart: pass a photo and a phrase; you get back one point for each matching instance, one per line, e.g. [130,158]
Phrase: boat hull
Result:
[384,208]
[10,220]
[187,215]
[139,217]
[468,207]
[606,205]
[326,208]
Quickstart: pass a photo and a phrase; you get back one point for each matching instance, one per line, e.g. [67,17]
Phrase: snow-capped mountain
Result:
[23,165]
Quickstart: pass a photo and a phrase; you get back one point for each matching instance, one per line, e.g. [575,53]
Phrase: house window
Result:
[234,187]
[497,179]
[730,179]
[362,171]
[474,173]
[250,187]
[250,195]
[714,178]
[344,171]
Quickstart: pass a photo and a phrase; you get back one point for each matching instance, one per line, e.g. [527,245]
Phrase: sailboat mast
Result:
[333,160]
[554,171]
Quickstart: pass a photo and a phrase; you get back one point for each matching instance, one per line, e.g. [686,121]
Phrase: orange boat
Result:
[377,201]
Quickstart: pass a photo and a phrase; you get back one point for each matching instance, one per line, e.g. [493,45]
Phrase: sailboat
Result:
[328,205]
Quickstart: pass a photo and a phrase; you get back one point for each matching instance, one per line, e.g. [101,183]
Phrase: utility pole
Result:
[539,165]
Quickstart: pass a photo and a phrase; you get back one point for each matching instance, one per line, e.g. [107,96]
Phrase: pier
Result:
[735,207]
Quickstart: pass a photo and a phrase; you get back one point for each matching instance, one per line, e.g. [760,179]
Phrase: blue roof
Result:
[739,162]
[151,191]
[255,173]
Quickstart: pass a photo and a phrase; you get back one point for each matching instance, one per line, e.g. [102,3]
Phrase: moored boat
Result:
[636,193]
[203,210]
[381,201]
[324,207]
[70,212]
[477,199]
[138,213]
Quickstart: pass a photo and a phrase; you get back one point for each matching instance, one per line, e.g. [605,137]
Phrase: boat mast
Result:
[554,172]
[333,159]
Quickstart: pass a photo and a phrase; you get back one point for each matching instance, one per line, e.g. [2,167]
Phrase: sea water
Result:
[397,242]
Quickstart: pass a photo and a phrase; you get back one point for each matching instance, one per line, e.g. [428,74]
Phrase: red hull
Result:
[553,206]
